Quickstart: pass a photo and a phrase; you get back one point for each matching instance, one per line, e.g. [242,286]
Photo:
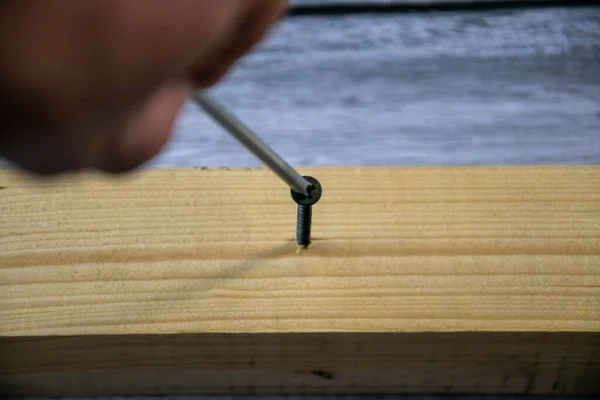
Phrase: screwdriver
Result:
[305,190]
[252,142]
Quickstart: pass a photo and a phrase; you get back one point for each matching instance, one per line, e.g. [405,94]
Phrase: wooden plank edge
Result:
[471,363]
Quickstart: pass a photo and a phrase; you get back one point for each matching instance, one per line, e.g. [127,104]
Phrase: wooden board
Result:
[180,281]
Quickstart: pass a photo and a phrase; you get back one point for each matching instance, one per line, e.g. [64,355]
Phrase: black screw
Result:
[305,203]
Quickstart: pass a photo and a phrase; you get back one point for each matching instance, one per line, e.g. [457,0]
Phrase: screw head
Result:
[315,192]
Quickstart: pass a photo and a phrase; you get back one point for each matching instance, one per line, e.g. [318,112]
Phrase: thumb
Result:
[146,131]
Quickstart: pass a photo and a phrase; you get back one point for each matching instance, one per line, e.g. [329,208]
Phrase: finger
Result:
[36,154]
[146,132]
[76,56]
[251,28]
[79,66]
[112,146]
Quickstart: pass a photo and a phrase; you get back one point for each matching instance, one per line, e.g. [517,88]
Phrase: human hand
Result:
[99,84]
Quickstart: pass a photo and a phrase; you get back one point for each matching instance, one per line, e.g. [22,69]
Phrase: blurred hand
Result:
[99,84]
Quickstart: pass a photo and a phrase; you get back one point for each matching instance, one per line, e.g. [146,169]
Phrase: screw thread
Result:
[303,225]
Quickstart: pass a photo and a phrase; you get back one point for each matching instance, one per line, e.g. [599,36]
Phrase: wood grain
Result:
[177,281]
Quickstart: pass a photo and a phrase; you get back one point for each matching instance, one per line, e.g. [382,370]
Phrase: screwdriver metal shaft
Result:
[252,142]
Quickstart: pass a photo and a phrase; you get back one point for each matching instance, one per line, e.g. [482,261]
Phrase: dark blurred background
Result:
[509,86]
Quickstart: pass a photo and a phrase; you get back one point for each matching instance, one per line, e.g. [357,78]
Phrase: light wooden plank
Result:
[177,281]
